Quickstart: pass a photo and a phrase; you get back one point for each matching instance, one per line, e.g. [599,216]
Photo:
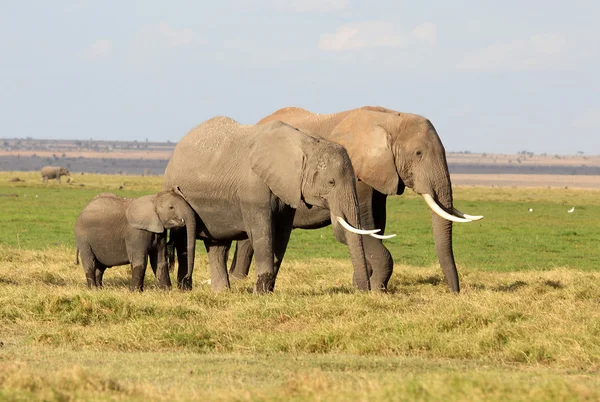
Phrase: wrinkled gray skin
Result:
[112,230]
[54,172]
[389,150]
[245,182]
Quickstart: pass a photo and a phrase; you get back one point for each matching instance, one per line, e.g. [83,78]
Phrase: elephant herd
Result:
[254,183]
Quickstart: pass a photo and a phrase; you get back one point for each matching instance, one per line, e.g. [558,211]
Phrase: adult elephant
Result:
[245,182]
[54,172]
[389,151]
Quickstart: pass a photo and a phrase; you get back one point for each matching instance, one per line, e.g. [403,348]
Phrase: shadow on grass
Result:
[7,281]
[554,284]
[340,289]
[511,287]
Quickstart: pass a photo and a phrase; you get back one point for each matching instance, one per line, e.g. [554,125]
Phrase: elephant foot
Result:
[185,284]
[238,276]
[219,288]
[378,287]
[265,283]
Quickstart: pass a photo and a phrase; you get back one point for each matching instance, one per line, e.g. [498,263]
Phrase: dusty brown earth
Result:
[526,180]
[524,160]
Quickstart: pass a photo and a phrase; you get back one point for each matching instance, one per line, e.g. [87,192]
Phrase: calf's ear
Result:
[141,214]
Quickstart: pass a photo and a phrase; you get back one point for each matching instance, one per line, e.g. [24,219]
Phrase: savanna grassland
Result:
[526,325]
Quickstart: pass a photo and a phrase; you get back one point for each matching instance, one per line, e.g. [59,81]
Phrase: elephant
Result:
[112,230]
[246,182]
[389,151]
[54,172]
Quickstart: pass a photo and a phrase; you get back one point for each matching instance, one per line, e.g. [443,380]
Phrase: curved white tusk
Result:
[469,217]
[352,229]
[440,211]
[382,237]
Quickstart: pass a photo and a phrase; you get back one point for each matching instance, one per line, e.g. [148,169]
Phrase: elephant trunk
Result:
[442,235]
[354,241]
[190,225]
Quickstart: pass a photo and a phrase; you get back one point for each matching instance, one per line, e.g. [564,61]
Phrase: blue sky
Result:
[492,76]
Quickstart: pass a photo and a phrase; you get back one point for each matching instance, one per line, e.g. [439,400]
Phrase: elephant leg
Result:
[139,262]
[281,236]
[242,258]
[89,264]
[159,264]
[380,264]
[179,238]
[218,252]
[99,274]
[260,233]
[380,261]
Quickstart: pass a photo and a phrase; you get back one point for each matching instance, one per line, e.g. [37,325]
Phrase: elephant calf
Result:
[54,172]
[112,230]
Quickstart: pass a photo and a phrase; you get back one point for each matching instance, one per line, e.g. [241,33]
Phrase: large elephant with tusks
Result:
[389,151]
[247,181]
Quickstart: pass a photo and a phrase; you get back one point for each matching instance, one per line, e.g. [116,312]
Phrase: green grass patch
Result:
[510,238]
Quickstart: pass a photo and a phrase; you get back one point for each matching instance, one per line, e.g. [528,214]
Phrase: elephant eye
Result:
[171,207]
[331,182]
[419,153]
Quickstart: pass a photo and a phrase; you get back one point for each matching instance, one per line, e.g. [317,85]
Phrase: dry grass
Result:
[101,182]
[313,338]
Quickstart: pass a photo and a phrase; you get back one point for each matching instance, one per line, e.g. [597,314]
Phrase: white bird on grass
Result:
[530,209]
[571,210]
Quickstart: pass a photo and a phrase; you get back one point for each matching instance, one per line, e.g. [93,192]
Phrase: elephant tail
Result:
[77,256]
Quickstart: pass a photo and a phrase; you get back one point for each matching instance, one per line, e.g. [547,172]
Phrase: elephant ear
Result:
[277,157]
[372,159]
[177,190]
[141,214]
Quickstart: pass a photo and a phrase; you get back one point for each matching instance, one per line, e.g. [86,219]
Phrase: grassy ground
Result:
[510,238]
[525,327]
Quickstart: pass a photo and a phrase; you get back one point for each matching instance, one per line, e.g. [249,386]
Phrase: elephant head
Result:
[165,210]
[299,168]
[390,150]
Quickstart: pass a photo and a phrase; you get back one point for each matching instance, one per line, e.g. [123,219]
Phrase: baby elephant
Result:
[54,172]
[112,230]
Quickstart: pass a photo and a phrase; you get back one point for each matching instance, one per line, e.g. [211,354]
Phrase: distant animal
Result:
[571,210]
[112,230]
[15,179]
[54,172]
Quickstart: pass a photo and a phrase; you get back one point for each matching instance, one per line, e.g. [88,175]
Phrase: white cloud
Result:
[310,6]
[539,52]
[360,35]
[426,32]
[101,49]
